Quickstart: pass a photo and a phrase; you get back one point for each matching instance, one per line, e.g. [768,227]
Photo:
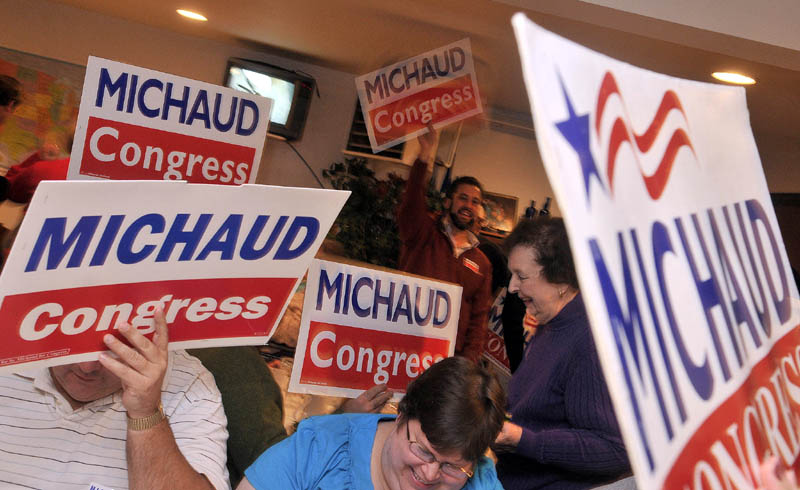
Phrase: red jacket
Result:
[427,251]
[24,178]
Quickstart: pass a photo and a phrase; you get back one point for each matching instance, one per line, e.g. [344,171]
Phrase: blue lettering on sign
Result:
[710,295]
[51,238]
[178,234]
[125,253]
[783,305]
[721,276]
[224,240]
[182,104]
[143,108]
[153,234]
[343,290]
[310,228]
[248,251]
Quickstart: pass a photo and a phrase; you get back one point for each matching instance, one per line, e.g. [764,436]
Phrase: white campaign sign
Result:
[438,87]
[139,124]
[221,261]
[685,277]
[363,327]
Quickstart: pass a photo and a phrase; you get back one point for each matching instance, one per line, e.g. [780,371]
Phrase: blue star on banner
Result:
[576,131]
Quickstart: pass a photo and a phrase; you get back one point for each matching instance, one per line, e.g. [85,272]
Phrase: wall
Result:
[505,163]
[69,34]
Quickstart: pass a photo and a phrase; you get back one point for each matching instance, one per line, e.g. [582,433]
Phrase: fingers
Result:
[137,356]
[142,352]
[376,397]
[122,370]
[381,400]
[140,366]
[374,391]
[161,337]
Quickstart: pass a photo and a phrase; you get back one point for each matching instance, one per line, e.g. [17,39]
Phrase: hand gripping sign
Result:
[220,261]
[438,87]
[680,260]
[138,124]
[363,327]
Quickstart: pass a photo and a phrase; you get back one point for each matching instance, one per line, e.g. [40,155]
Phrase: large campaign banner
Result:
[684,274]
[362,327]
[438,87]
[221,261]
[139,124]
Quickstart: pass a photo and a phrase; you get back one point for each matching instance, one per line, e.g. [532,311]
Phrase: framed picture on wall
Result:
[501,213]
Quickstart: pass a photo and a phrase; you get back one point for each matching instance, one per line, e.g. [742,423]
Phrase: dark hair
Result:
[10,90]
[548,239]
[459,405]
[465,180]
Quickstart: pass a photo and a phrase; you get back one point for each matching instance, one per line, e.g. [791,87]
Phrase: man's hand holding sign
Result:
[154,460]
[140,366]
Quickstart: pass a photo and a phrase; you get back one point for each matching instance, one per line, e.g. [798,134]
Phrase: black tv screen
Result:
[290,92]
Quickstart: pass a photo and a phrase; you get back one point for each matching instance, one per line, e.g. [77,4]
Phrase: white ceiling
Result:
[773,22]
[686,38]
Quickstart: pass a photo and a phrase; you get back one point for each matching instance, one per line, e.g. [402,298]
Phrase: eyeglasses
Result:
[425,456]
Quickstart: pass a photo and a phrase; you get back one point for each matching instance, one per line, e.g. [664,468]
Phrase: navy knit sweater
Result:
[559,397]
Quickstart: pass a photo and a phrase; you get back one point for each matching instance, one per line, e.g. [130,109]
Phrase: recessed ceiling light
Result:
[733,78]
[192,15]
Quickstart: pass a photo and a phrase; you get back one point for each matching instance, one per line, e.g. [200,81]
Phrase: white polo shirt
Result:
[46,444]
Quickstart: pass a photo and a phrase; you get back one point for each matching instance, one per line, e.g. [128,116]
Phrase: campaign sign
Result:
[362,327]
[221,262]
[495,351]
[138,124]
[438,87]
[680,260]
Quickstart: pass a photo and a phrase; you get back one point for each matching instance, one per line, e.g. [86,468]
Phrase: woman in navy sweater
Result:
[562,432]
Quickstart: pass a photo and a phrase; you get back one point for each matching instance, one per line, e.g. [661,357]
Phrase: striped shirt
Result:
[45,444]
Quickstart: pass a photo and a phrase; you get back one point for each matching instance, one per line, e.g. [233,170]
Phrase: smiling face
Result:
[404,470]
[542,299]
[84,382]
[463,206]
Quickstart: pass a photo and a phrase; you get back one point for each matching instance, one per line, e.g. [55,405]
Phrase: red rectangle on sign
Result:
[758,419]
[496,348]
[73,321]
[120,151]
[357,358]
[430,106]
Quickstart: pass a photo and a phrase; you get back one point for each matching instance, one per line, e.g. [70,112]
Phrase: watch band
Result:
[148,422]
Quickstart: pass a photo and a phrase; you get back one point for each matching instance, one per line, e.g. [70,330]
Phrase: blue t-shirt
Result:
[333,452]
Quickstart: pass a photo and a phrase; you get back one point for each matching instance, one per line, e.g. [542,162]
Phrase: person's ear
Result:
[400,421]
[447,202]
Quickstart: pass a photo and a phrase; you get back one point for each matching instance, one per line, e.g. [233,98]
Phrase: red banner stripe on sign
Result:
[357,358]
[73,321]
[412,113]
[760,417]
[120,151]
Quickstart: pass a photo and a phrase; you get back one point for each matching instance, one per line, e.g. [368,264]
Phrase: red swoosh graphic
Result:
[620,133]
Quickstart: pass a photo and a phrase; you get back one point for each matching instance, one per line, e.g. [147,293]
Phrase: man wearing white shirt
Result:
[140,419]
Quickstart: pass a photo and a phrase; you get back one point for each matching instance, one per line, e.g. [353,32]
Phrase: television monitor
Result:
[290,92]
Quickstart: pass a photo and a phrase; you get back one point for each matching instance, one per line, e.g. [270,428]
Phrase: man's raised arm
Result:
[154,460]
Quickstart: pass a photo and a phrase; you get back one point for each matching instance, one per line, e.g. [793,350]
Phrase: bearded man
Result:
[444,248]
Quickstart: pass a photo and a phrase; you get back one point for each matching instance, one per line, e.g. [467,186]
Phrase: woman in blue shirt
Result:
[445,423]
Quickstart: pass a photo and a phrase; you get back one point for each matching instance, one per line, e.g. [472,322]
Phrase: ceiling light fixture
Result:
[736,78]
[192,15]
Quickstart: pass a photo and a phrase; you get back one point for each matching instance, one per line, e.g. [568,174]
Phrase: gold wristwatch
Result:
[148,422]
